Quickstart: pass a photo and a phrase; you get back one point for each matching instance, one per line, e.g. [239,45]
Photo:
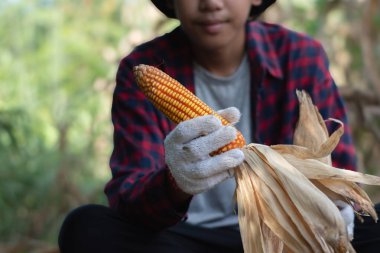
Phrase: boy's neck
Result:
[223,62]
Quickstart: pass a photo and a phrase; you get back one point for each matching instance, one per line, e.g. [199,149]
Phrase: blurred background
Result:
[58,60]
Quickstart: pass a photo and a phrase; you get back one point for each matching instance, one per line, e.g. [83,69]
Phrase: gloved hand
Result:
[188,146]
[348,215]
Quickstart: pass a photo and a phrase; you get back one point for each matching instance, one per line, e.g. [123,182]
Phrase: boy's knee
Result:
[78,226]
[81,216]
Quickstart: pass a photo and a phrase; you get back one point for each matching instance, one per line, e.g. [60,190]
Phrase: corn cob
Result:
[175,101]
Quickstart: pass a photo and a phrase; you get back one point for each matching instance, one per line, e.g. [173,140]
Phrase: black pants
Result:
[95,228]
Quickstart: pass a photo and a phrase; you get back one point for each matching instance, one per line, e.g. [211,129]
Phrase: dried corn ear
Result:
[175,101]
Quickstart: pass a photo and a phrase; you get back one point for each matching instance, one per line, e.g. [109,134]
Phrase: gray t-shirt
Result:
[217,207]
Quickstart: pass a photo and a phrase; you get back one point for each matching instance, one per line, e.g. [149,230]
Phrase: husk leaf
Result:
[289,191]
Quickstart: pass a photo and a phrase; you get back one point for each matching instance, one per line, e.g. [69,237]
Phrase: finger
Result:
[348,214]
[194,128]
[201,147]
[231,114]
[218,164]
[204,184]
[341,204]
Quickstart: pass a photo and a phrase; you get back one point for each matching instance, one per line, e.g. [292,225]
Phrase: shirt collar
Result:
[261,49]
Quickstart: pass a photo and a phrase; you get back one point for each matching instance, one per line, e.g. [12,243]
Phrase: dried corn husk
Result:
[285,193]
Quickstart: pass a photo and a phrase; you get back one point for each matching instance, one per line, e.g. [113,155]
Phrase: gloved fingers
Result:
[348,215]
[346,211]
[193,128]
[218,164]
[203,184]
[201,147]
[231,114]
[349,218]
[341,204]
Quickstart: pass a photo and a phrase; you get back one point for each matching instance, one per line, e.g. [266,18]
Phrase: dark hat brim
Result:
[169,12]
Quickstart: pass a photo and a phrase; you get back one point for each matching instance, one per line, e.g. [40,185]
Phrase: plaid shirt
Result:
[281,61]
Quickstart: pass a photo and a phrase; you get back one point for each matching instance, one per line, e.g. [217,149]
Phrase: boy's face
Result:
[213,24]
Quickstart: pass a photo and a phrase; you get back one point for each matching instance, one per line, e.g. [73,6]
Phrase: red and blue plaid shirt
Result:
[281,61]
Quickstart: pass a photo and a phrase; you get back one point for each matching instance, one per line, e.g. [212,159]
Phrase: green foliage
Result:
[57,68]
[56,82]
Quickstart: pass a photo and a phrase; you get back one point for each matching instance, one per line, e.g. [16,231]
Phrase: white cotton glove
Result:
[348,215]
[188,146]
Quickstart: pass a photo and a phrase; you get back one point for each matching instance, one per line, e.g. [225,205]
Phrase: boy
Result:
[159,200]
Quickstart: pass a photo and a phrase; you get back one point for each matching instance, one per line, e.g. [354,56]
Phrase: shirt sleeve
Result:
[140,187]
[331,105]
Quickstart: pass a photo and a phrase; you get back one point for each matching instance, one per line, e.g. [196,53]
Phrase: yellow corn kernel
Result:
[176,101]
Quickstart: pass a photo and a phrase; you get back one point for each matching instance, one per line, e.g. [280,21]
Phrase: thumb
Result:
[231,114]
